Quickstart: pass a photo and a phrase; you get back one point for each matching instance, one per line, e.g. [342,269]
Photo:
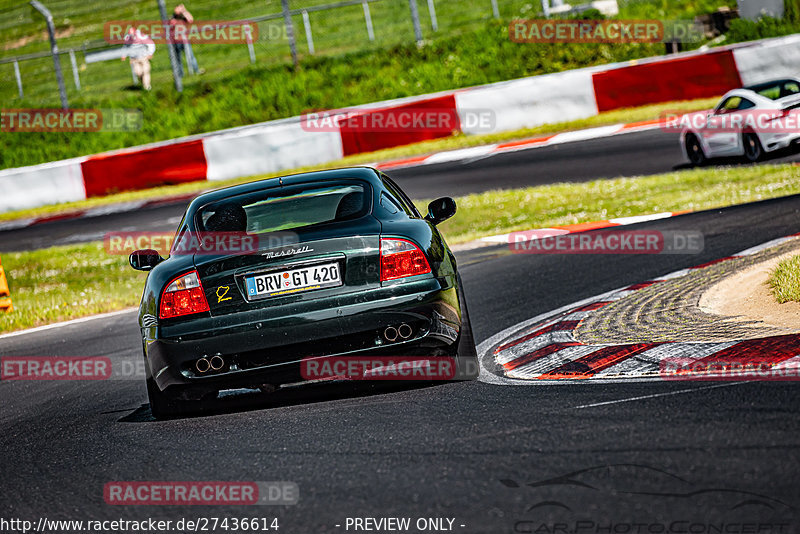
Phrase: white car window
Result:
[734,103]
[729,104]
[745,104]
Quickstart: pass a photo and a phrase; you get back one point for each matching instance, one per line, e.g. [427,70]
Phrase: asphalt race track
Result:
[576,457]
[630,154]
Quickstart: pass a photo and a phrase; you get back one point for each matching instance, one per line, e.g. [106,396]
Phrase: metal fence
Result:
[316,29]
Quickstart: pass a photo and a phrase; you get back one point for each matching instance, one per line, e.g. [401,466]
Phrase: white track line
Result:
[655,395]
[67,323]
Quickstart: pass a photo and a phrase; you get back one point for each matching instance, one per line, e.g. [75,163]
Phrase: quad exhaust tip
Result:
[202,365]
[403,331]
[216,362]
[390,333]
[206,364]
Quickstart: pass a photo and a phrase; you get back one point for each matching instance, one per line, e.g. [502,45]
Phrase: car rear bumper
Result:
[780,141]
[267,346]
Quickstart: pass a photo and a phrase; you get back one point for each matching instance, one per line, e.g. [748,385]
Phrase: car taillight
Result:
[401,258]
[183,296]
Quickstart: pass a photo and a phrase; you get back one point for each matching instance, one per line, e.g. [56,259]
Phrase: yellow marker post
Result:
[5,294]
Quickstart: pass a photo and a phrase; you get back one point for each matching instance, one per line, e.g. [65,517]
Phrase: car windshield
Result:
[779,89]
[289,208]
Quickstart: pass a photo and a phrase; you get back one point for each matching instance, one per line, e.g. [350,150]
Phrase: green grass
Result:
[749,30]
[426,147]
[499,212]
[61,283]
[784,280]
[665,9]
[72,281]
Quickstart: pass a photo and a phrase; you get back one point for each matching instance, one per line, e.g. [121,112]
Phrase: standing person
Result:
[182,45]
[140,48]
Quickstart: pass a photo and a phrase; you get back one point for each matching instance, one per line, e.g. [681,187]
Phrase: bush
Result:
[763,28]
[792,10]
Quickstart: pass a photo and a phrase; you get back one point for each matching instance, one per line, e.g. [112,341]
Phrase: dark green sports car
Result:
[267,275]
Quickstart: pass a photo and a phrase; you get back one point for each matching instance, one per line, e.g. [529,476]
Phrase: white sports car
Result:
[748,122]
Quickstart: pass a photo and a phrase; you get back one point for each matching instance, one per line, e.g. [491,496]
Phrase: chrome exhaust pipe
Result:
[390,333]
[404,331]
[202,365]
[216,362]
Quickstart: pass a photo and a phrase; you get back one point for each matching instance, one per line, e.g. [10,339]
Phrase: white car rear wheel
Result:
[753,151]
[695,151]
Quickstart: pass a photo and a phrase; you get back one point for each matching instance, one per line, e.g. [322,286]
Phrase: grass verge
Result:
[426,147]
[784,281]
[498,212]
[61,283]
[77,280]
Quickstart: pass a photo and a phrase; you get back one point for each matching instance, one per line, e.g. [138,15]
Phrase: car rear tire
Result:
[163,405]
[694,151]
[753,151]
[466,353]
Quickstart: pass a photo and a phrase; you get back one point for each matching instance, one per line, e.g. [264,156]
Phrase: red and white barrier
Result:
[686,77]
[768,59]
[356,139]
[261,150]
[41,185]
[289,143]
[530,102]
[144,168]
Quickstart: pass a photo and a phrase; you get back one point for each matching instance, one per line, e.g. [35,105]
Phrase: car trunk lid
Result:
[316,267]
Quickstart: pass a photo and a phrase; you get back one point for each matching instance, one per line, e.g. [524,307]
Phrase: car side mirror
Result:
[145,259]
[441,209]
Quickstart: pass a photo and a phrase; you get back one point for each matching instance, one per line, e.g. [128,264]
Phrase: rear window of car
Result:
[400,198]
[286,208]
[778,90]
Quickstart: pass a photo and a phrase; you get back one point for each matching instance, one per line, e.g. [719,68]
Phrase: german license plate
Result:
[293,281]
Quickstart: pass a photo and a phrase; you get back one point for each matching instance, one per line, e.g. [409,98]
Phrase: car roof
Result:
[364,173]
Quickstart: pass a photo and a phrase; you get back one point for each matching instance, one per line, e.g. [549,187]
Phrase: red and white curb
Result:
[531,235]
[543,350]
[483,151]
